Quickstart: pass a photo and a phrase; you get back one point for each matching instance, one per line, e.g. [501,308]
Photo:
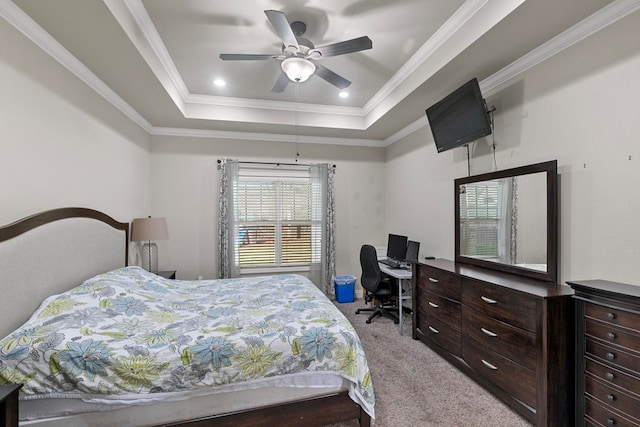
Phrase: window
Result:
[274,219]
[480,216]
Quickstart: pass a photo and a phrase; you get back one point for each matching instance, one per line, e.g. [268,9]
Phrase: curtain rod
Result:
[276,163]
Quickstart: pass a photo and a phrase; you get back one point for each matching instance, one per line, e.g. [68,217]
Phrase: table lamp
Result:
[147,230]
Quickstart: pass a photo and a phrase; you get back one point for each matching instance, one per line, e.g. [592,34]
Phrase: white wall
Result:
[580,107]
[61,144]
[185,190]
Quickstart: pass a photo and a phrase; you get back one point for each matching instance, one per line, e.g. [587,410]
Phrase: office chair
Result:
[379,289]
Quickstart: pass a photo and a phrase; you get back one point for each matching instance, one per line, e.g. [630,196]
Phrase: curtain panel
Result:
[226,221]
[322,264]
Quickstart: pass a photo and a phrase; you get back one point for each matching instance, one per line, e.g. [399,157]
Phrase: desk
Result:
[404,279]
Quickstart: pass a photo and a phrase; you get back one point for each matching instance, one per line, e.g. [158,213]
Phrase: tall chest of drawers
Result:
[512,335]
[607,353]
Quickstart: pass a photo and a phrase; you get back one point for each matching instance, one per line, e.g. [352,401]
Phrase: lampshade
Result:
[149,229]
[298,69]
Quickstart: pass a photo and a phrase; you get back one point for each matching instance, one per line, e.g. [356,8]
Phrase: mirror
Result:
[508,220]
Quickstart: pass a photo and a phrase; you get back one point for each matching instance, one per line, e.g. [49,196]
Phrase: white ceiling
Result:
[156,59]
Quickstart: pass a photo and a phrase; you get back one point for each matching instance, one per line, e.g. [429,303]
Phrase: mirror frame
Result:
[551,170]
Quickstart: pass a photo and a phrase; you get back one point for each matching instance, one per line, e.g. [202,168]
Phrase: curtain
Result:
[322,268]
[227,267]
[322,265]
[508,221]
[514,220]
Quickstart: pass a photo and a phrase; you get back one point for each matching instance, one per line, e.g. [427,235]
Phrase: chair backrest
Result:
[412,252]
[370,278]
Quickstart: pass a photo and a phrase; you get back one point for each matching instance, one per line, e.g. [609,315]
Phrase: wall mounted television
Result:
[459,118]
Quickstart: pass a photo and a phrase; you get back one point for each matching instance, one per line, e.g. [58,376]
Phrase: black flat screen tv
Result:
[459,118]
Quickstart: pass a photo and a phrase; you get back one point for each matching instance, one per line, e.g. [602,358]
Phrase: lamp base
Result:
[150,257]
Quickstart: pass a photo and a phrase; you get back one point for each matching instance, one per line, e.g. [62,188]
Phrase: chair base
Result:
[381,311]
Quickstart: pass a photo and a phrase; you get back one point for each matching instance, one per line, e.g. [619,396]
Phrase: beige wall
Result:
[61,144]
[185,190]
[582,108]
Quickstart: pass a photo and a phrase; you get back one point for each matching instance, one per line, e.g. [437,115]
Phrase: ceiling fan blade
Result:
[282,27]
[333,78]
[281,83]
[348,46]
[245,57]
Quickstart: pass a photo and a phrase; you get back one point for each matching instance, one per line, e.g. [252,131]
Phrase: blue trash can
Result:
[345,288]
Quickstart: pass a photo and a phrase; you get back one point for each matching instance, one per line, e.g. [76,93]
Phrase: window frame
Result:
[279,176]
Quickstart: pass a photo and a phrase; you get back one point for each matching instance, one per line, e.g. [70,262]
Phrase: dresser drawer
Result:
[597,414]
[440,282]
[612,355]
[613,316]
[612,396]
[612,375]
[514,343]
[509,306]
[441,334]
[442,308]
[607,332]
[515,379]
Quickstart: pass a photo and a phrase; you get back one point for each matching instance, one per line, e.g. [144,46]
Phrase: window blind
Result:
[274,215]
[480,212]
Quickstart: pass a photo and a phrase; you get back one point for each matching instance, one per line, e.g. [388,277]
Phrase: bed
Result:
[97,342]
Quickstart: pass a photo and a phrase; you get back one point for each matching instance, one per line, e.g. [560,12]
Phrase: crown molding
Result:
[27,26]
[449,28]
[599,20]
[261,104]
[135,21]
[606,16]
[407,130]
[265,137]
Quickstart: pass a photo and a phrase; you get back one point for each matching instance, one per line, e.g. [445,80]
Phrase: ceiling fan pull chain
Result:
[296,121]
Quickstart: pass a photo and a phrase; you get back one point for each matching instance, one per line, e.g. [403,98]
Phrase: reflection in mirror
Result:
[507,220]
[504,220]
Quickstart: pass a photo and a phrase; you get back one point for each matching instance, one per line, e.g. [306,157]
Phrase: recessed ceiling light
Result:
[219,82]
[344,94]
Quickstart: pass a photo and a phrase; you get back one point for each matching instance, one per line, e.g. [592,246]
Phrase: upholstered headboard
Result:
[52,252]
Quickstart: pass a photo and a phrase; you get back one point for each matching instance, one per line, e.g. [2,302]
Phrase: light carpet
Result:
[416,387]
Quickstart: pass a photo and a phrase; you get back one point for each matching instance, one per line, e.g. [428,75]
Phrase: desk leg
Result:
[400,310]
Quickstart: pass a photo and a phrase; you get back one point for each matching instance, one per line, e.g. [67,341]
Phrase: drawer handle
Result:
[432,280]
[488,300]
[433,304]
[488,332]
[434,330]
[610,356]
[489,365]
[611,397]
[611,336]
[611,422]
[611,316]
[609,376]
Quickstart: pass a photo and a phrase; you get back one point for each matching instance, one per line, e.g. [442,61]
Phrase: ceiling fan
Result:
[299,56]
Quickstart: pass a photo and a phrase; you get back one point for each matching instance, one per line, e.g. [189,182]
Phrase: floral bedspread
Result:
[131,332]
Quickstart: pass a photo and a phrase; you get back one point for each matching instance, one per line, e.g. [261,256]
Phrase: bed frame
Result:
[53,251]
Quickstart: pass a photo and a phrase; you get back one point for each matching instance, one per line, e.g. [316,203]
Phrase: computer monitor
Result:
[412,252]
[397,247]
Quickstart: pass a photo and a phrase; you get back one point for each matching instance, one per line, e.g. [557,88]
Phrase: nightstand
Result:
[168,274]
[9,404]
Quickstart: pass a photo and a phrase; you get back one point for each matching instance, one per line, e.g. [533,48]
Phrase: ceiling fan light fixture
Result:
[298,69]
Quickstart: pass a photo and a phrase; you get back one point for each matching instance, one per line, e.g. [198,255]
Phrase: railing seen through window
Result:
[274,219]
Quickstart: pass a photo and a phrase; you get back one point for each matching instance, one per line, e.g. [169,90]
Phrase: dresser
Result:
[511,334]
[607,353]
